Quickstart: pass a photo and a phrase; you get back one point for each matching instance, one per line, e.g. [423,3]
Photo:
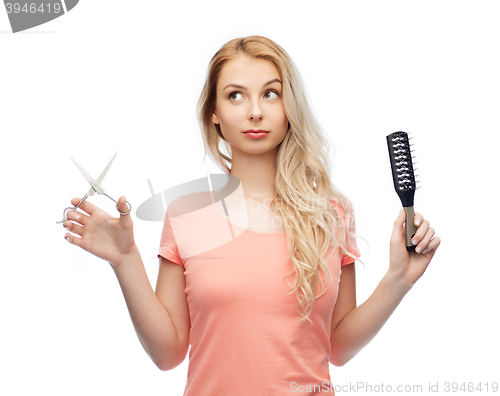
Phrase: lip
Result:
[256,131]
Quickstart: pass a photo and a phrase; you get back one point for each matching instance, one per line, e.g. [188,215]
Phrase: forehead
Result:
[245,70]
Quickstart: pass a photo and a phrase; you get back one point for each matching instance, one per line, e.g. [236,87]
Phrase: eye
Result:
[271,92]
[232,95]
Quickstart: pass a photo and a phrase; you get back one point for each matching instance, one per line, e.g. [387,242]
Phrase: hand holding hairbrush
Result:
[404,179]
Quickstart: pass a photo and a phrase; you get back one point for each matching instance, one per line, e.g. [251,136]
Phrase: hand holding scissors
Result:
[96,188]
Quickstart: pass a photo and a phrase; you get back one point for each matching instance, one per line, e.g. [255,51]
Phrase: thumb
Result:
[123,207]
[398,223]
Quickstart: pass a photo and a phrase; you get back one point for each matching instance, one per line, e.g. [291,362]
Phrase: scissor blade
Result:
[103,174]
[89,178]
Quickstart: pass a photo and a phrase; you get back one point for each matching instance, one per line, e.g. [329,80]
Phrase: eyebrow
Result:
[242,87]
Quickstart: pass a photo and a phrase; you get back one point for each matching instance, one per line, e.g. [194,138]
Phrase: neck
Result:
[257,174]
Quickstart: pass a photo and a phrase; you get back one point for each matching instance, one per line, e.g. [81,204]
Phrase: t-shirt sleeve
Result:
[168,246]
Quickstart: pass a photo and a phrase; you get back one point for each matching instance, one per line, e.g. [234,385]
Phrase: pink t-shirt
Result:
[246,337]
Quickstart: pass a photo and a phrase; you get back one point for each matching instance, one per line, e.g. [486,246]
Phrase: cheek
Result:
[285,120]
[280,113]
[228,119]
[281,119]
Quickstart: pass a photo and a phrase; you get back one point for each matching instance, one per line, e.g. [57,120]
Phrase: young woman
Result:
[268,311]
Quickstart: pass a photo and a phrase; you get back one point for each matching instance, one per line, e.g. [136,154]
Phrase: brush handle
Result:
[410,228]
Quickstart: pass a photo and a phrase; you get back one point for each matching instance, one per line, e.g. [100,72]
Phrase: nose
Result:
[255,112]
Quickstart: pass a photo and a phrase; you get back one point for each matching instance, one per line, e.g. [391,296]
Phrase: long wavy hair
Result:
[306,199]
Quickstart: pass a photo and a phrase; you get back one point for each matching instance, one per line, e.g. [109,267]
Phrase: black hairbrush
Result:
[404,179]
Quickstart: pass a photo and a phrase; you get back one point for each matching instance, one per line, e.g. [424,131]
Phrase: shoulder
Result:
[187,203]
[342,205]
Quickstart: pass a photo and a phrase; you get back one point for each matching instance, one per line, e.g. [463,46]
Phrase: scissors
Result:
[96,188]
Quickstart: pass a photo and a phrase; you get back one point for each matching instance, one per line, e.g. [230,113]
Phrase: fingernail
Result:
[417,222]
[66,237]
[418,249]
[424,251]
[414,241]
[77,217]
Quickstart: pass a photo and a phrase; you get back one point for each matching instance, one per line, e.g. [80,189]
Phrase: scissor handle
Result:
[124,213]
[64,214]
[72,208]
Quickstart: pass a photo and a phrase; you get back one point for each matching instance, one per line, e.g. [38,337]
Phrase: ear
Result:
[215,118]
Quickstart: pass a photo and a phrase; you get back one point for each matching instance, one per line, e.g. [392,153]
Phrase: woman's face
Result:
[249,97]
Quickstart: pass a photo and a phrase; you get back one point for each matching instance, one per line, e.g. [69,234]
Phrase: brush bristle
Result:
[403,164]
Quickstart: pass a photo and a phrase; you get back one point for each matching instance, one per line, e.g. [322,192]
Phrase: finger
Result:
[77,216]
[418,219]
[421,231]
[73,239]
[123,207]
[122,204]
[398,223]
[398,230]
[433,245]
[73,227]
[86,206]
[425,240]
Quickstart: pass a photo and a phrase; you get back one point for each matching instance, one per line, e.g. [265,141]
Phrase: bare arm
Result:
[361,324]
[161,328]
[159,319]
[354,327]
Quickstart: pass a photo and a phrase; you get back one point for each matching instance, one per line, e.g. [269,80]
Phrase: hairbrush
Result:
[404,179]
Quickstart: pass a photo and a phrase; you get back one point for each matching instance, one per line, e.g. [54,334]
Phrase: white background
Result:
[123,76]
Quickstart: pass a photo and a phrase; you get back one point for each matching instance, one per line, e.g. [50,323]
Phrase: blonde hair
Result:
[305,195]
